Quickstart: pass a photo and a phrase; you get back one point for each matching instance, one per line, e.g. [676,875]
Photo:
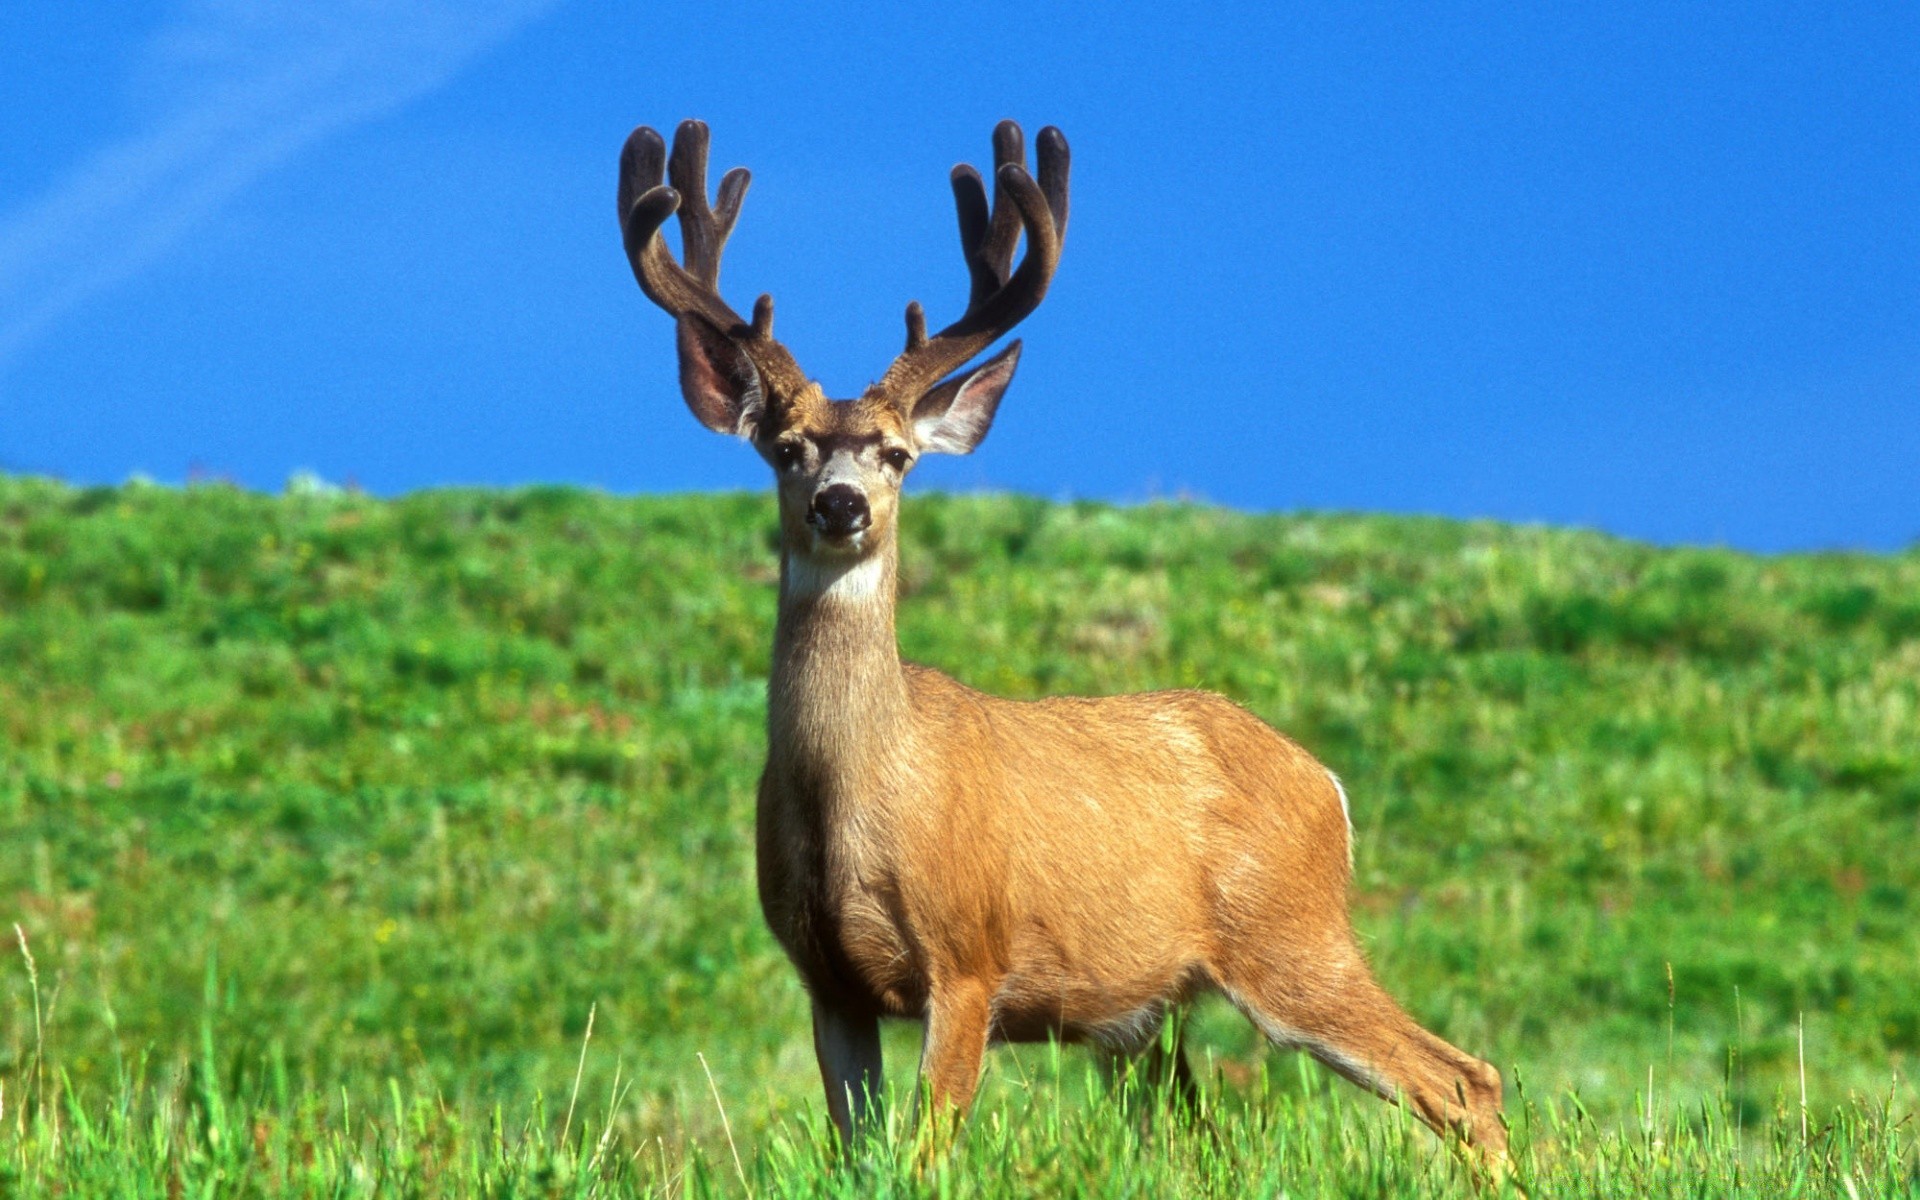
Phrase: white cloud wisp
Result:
[238,87]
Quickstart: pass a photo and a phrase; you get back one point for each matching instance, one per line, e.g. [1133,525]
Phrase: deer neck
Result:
[837,697]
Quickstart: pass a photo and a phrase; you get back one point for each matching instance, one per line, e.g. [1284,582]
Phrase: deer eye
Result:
[896,458]
[786,455]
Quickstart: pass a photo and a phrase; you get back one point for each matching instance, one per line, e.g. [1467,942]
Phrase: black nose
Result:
[839,510]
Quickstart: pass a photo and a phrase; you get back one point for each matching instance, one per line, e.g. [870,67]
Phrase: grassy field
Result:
[330,825]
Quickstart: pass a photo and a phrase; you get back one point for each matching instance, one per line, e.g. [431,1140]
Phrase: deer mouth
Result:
[849,544]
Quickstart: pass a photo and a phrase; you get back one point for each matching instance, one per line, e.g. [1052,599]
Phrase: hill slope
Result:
[314,792]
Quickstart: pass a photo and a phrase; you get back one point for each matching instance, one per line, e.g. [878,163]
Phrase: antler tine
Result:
[998,300]
[640,230]
[643,161]
[976,224]
[1009,148]
[916,325]
[1054,161]
[726,210]
[687,172]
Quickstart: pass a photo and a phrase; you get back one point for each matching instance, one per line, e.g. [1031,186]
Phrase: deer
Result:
[1002,870]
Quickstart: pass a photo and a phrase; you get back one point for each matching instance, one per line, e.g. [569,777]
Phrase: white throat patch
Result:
[834,579]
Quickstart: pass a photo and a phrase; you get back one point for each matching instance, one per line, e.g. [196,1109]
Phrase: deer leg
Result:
[1339,1014]
[958,1017]
[848,1048]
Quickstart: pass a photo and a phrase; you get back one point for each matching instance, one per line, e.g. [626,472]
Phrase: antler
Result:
[644,206]
[1001,297]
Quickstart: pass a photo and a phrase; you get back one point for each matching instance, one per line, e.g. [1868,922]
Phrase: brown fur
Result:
[1008,870]
[1062,868]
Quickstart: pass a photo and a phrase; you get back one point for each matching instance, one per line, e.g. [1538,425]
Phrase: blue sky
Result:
[1652,268]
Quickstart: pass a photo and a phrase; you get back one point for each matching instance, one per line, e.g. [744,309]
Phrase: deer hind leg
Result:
[1337,1012]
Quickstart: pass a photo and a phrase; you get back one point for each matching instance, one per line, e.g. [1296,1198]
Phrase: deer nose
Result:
[839,510]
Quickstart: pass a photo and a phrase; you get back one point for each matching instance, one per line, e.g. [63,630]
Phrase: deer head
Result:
[839,464]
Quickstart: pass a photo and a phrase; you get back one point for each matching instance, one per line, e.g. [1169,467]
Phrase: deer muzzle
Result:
[839,510]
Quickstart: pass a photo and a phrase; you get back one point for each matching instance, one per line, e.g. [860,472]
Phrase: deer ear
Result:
[718,380]
[954,416]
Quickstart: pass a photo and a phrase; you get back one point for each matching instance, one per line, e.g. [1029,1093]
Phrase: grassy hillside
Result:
[328,821]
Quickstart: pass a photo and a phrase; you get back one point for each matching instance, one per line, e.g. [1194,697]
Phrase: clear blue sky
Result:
[1648,267]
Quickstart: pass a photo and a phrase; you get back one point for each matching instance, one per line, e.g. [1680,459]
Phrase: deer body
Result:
[1004,870]
[1084,858]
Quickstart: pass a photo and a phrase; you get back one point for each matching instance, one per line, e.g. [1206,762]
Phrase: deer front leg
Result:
[848,1047]
[958,1016]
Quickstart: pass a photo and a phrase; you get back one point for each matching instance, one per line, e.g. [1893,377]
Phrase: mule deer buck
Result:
[1011,871]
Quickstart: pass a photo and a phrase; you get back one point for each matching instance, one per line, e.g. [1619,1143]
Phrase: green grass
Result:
[328,821]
